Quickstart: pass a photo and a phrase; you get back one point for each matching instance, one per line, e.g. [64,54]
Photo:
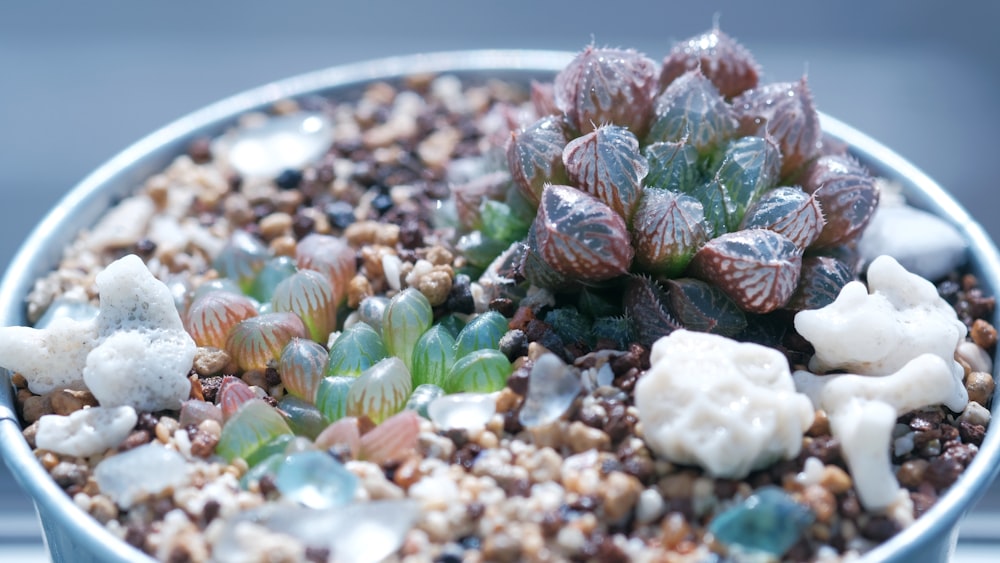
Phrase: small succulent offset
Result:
[704,198]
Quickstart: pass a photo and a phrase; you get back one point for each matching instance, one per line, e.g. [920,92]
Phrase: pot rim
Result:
[35,257]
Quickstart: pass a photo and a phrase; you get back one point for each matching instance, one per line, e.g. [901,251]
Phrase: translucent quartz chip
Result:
[280,143]
[360,533]
[767,521]
[552,387]
[465,411]
[316,480]
[146,470]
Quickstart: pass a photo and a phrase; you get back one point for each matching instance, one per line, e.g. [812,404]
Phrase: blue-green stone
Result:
[768,521]
[316,480]
[268,466]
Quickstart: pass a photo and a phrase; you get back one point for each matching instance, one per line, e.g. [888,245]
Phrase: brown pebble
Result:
[361,233]
[821,501]
[284,245]
[980,386]
[103,509]
[583,438]
[203,444]
[619,493]
[275,225]
[66,401]
[67,474]
[835,479]
[971,433]
[200,150]
[983,334]
[942,472]
[911,473]
[357,290]
[823,448]
[820,425]
[436,284]
[36,407]
[879,528]
[18,381]
[439,256]
[135,439]
[674,529]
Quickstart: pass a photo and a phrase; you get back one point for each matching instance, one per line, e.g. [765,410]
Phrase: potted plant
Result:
[310,199]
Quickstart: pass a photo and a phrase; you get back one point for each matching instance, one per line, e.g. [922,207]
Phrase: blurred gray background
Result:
[80,81]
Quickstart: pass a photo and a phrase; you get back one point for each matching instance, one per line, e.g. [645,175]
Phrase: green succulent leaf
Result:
[668,228]
[534,156]
[672,166]
[703,307]
[692,108]
[789,211]
[821,281]
[607,164]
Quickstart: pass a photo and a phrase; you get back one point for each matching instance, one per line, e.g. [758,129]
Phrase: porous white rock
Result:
[726,406]
[923,243]
[135,352]
[898,339]
[878,329]
[85,432]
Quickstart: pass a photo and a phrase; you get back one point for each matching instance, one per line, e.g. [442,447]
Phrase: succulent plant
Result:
[697,198]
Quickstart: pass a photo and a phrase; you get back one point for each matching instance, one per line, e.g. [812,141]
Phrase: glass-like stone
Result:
[463,411]
[316,480]
[768,521]
[552,388]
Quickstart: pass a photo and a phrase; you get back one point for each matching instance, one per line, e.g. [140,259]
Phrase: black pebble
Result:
[289,179]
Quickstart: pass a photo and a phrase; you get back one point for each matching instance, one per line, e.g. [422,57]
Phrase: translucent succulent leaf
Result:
[381,391]
[730,66]
[785,112]
[331,398]
[482,371]
[847,195]
[645,305]
[758,269]
[302,367]
[703,307]
[534,156]
[534,268]
[672,166]
[355,350]
[330,256]
[820,283]
[274,272]
[716,204]
[501,223]
[406,319]
[543,98]
[668,228]
[580,237]
[250,427]
[749,167]
[618,330]
[308,294]
[482,331]
[571,326]
[392,440]
[213,314]
[479,249]
[452,323]
[789,211]
[276,445]
[241,258]
[372,309]
[607,164]
[607,86]
[433,356]
[233,393]
[469,195]
[256,342]
[692,108]
[303,417]
[343,432]
[422,396]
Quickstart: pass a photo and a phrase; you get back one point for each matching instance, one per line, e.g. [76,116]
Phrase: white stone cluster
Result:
[135,353]
[897,338]
[726,406]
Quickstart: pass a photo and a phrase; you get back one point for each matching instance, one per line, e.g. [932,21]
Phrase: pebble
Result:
[977,358]
[922,243]
[650,506]
[975,413]
[462,411]
[552,388]
[210,361]
[316,480]
[66,401]
[980,386]
[768,521]
[146,470]
[85,432]
[278,144]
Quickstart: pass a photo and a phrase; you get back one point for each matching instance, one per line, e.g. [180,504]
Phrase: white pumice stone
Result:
[85,432]
[923,243]
[134,353]
[726,406]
